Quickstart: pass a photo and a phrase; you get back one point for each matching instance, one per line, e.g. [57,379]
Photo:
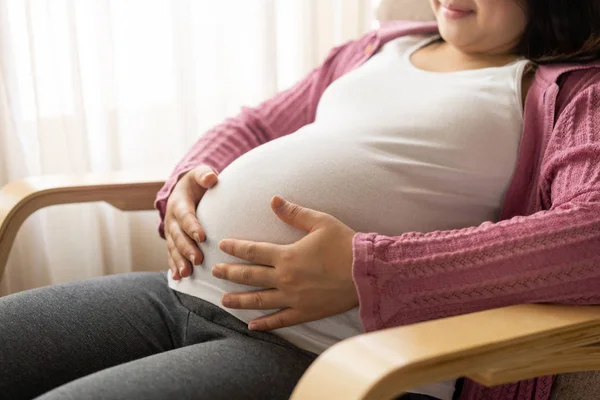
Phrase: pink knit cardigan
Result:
[546,248]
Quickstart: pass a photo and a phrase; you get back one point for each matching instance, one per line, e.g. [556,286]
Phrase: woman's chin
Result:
[457,36]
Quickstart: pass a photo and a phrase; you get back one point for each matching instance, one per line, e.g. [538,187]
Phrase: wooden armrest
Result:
[128,191]
[491,347]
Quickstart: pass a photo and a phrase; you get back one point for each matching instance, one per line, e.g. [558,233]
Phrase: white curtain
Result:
[103,85]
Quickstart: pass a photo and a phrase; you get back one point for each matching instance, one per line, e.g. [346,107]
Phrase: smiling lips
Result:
[452,11]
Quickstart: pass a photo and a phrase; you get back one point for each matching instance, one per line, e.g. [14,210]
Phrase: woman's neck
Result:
[441,56]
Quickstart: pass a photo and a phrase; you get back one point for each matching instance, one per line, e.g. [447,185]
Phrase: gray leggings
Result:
[131,337]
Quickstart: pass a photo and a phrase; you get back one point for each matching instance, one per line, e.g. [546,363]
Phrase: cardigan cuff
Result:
[362,252]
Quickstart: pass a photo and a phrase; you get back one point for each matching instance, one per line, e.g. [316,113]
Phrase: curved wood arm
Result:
[128,191]
[491,347]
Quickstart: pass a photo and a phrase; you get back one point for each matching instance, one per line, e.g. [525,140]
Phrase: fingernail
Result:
[226,301]
[217,271]
[206,176]
[197,238]
[279,202]
[192,258]
[252,326]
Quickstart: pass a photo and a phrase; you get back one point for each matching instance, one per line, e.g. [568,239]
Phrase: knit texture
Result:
[544,249]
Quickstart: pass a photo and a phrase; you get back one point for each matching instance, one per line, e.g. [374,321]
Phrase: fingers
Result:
[174,270]
[183,266]
[185,209]
[182,228]
[297,216]
[186,247]
[281,319]
[250,275]
[205,176]
[255,252]
[188,222]
[260,300]
[183,251]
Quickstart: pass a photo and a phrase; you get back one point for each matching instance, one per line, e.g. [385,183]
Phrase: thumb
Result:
[206,177]
[295,215]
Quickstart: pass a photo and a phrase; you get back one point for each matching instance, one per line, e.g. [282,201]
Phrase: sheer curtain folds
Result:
[103,85]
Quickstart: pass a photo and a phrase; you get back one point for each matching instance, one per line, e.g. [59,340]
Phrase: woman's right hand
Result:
[182,229]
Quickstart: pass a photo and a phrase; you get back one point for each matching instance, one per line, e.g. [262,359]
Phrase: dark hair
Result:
[561,31]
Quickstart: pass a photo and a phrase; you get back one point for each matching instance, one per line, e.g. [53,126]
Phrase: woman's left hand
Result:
[309,280]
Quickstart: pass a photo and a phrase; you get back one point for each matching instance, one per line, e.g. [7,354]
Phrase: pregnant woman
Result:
[422,171]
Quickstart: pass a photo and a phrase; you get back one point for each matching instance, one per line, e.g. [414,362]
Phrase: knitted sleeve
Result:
[550,256]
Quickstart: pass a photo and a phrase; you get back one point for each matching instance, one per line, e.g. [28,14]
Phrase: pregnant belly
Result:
[366,189]
[239,207]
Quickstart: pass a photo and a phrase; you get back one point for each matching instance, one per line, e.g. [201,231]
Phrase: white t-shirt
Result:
[394,149]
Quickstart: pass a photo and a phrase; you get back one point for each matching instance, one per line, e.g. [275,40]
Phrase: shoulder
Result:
[574,82]
[387,31]
[577,110]
[578,102]
[350,54]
